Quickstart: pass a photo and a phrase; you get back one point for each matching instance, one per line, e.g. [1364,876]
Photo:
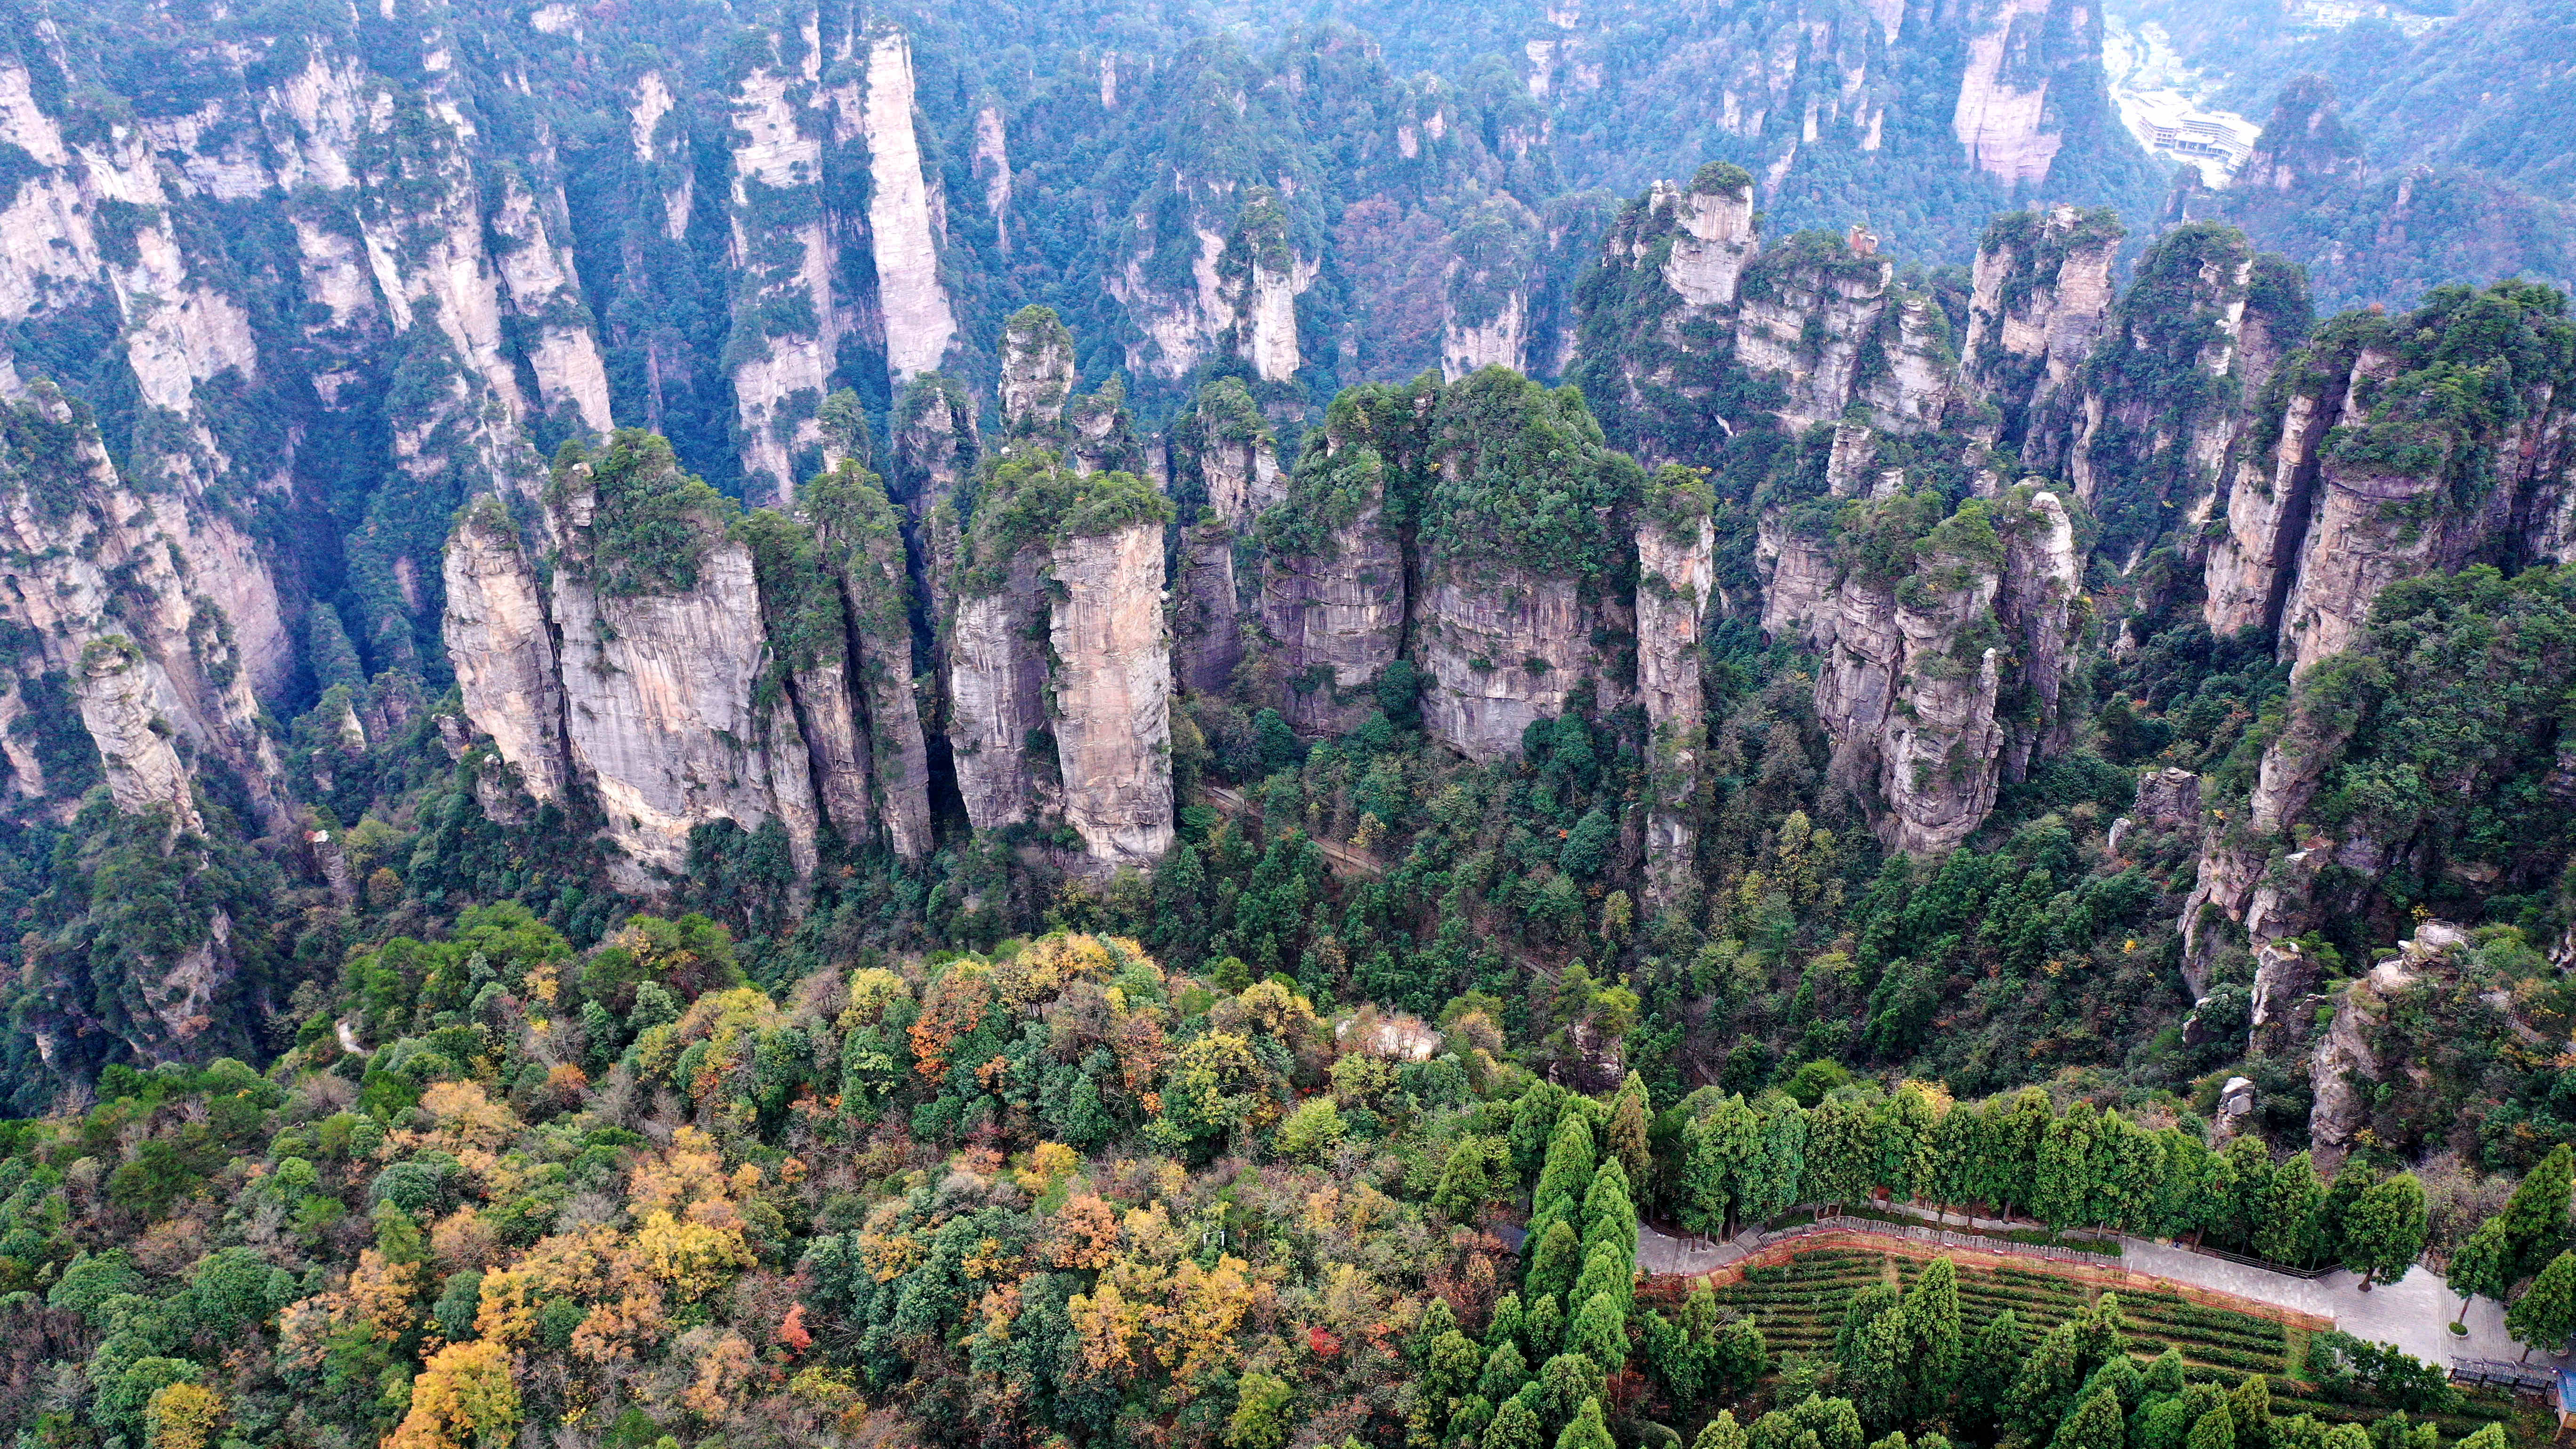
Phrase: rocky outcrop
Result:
[1037,375]
[1806,313]
[1939,685]
[997,676]
[1909,698]
[2039,298]
[919,323]
[144,774]
[1714,238]
[114,590]
[661,666]
[2036,607]
[787,320]
[1228,471]
[1675,572]
[1112,697]
[1503,647]
[2018,52]
[1333,585]
[858,536]
[503,648]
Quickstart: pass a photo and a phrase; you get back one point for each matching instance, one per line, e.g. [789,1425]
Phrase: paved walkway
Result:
[2413,1314]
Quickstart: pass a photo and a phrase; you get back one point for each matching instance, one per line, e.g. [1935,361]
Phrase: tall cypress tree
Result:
[1986,1376]
[1553,1266]
[1722,1432]
[2095,1424]
[2483,1267]
[1932,1340]
[2061,1193]
[2536,1217]
[2383,1231]
[2290,1202]
[1609,1211]
[1625,1142]
[2545,1315]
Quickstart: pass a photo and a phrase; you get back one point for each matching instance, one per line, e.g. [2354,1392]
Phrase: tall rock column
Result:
[1676,547]
[1226,450]
[857,534]
[2036,606]
[919,323]
[504,653]
[1908,693]
[1261,279]
[1112,711]
[787,322]
[997,652]
[663,651]
[1333,575]
[1510,602]
[2039,297]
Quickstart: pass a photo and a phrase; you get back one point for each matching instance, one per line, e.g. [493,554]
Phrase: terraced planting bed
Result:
[1800,1302]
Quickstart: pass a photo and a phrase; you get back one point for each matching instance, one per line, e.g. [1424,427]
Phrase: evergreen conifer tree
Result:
[1721,1432]
[2535,1217]
[2384,1229]
[2483,1265]
[2545,1315]
[2095,1424]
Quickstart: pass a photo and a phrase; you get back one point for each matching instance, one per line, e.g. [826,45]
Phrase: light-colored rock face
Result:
[1501,340]
[992,163]
[776,149]
[828,717]
[661,720]
[1341,611]
[1112,710]
[919,324]
[1503,647]
[1675,575]
[503,651]
[1270,320]
[561,350]
[2001,116]
[2268,502]
[1715,243]
[1913,723]
[1178,332]
[1037,375]
[141,578]
[1815,366]
[997,676]
[2031,344]
[1798,591]
[2217,289]
[144,773]
[1915,389]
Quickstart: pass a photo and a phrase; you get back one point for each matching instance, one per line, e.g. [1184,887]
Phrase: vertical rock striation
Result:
[1229,472]
[503,648]
[919,323]
[1675,572]
[1112,698]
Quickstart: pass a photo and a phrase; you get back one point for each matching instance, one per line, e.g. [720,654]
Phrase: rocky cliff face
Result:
[499,635]
[687,671]
[1112,704]
[1333,580]
[660,677]
[2041,292]
[115,604]
[1675,574]
[1504,647]
[919,323]
[1227,458]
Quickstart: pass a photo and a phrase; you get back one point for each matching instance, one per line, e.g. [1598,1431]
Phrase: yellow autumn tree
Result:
[182,1416]
[465,1397]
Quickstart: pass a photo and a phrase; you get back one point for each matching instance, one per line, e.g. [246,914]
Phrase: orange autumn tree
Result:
[465,1399]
